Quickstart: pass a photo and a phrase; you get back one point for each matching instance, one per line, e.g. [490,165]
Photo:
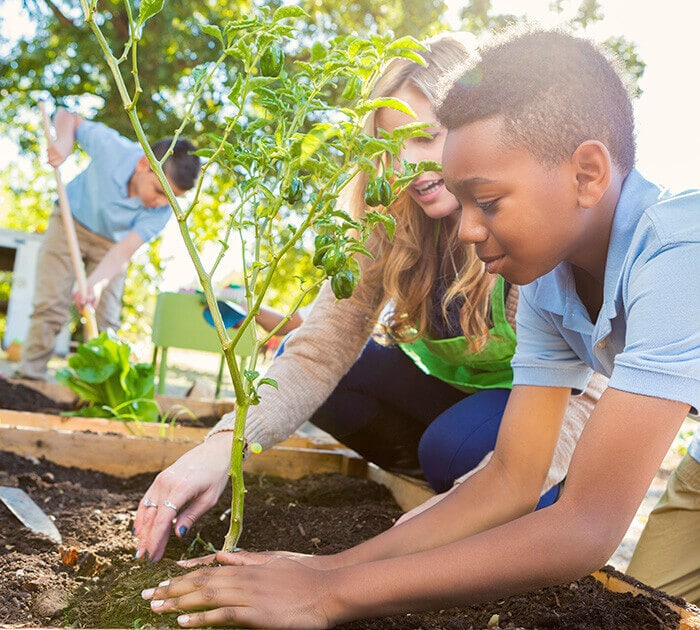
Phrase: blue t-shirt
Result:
[647,334]
[99,197]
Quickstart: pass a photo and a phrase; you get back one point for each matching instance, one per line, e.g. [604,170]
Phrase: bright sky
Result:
[667,119]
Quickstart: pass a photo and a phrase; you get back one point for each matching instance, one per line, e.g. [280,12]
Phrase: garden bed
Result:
[92,581]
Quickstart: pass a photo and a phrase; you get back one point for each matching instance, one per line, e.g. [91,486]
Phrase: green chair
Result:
[179,323]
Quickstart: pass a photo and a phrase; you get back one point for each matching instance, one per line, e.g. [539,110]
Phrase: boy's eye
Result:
[485,206]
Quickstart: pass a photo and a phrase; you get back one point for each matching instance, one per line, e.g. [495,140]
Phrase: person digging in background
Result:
[431,403]
[117,205]
[540,155]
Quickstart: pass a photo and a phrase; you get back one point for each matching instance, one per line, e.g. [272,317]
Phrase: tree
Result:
[62,60]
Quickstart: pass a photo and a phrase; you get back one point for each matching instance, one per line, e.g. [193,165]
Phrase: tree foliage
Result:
[62,60]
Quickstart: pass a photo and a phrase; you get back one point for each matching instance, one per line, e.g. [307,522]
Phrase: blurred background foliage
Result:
[61,60]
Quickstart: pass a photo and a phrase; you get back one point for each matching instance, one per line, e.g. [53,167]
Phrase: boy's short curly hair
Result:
[182,166]
[553,90]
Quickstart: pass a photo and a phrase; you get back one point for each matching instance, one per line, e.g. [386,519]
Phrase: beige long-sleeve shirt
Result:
[325,347]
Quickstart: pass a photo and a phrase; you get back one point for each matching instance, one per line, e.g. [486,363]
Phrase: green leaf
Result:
[268,381]
[214,31]
[101,373]
[388,101]
[251,375]
[315,139]
[148,9]
[407,43]
[289,12]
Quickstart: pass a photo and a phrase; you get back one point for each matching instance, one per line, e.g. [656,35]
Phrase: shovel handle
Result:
[88,311]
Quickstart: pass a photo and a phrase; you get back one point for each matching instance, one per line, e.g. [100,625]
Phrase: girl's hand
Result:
[181,494]
[281,593]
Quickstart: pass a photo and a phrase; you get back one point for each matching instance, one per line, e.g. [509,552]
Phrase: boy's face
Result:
[522,216]
[145,185]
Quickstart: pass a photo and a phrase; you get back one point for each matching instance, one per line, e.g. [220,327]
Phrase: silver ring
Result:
[170,505]
[148,503]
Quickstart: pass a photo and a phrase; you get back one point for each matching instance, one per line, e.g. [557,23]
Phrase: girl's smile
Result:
[428,190]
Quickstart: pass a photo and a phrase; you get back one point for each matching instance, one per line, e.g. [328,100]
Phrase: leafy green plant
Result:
[102,375]
[287,155]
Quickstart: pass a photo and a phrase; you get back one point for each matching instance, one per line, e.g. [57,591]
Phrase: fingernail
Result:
[183,619]
[157,603]
[164,583]
[146,555]
[137,555]
[133,532]
[148,593]
[182,530]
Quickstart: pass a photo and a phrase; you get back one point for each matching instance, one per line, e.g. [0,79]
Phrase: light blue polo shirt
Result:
[99,197]
[647,334]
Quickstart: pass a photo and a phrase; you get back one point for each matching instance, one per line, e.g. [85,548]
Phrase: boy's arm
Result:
[506,488]
[115,261]
[620,451]
[65,124]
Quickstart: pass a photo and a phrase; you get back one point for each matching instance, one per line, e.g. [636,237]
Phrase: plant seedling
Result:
[290,143]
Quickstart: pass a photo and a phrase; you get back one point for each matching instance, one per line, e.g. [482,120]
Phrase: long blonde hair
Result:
[408,267]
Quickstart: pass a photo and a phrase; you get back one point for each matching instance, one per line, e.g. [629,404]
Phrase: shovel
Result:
[28,512]
[71,238]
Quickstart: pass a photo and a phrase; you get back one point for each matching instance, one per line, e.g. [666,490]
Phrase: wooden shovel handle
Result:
[73,247]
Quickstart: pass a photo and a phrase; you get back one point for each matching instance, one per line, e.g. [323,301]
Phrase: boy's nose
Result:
[471,229]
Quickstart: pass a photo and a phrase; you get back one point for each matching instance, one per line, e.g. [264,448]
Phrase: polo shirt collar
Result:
[556,291]
[636,196]
[123,172]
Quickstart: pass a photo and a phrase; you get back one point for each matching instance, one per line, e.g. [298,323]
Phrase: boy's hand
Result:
[58,152]
[87,298]
[280,594]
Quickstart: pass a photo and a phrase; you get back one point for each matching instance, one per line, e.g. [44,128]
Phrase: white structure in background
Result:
[18,254]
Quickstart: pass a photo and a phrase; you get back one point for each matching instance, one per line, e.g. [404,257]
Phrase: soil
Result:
[91,580]
[18,397]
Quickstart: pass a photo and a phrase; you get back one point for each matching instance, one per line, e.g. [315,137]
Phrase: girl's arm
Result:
[314,360]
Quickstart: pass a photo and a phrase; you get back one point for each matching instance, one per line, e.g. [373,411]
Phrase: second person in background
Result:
[428,402]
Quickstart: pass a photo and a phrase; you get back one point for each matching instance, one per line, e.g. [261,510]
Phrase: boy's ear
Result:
[143,166]
[591,161]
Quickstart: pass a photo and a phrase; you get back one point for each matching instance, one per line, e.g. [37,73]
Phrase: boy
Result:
[540,153]
[117,204]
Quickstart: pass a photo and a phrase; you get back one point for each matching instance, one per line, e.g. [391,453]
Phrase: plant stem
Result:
[238,487]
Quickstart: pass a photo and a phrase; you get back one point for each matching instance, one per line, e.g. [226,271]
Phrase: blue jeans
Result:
[404,420]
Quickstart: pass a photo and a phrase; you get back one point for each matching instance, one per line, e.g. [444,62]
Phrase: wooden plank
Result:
[690,617]
[100,425]
[123,455]
[408,492]
[112,453]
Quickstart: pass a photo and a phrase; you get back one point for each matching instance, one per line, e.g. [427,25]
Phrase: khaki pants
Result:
[54,288]
[667,556]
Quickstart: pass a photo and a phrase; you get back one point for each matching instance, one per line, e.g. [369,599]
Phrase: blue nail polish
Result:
[182,530]
[137,555]
[133,532]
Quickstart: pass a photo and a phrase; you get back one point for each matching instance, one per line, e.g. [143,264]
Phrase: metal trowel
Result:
[28,512]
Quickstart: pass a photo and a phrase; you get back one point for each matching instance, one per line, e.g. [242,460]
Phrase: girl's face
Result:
[428,189]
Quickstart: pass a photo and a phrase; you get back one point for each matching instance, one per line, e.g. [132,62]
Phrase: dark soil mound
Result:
[18,397]
[91,581]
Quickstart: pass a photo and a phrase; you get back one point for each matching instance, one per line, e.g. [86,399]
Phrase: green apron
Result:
[452,361]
